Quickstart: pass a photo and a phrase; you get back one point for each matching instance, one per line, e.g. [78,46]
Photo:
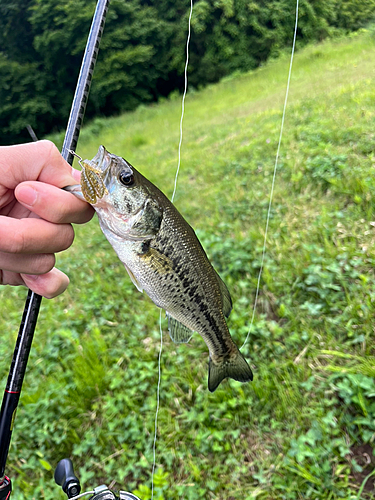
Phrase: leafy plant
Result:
[304,428]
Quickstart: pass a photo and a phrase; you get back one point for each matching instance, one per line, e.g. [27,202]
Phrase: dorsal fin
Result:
[225,297]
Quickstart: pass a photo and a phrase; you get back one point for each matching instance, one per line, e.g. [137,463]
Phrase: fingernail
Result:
[26,195]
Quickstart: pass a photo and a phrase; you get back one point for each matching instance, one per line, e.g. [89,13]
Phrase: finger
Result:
[34,236]
[48,285]
[29,264]
[52,203]
[10,278]
[39,160]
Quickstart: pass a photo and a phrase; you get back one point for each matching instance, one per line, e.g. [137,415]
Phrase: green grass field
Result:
[305,427]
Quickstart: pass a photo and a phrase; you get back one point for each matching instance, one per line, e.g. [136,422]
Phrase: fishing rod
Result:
[33,301]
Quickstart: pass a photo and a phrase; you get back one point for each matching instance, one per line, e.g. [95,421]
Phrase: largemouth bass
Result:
[164,258]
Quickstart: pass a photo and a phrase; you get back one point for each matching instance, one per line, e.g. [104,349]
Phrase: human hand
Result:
[36,215]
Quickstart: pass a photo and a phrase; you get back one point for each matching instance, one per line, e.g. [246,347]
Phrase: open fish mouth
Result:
[94,173]
[101,160]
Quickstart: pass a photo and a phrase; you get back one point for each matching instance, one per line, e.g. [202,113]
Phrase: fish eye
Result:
[126,178]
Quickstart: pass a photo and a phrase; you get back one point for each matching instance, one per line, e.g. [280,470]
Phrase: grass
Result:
[305,428]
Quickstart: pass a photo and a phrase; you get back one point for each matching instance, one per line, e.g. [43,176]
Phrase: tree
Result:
[142,53]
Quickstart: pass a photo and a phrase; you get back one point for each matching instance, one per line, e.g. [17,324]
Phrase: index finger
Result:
[53,204]
[39,160]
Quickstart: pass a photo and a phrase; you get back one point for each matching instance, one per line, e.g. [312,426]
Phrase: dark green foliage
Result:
[133,58]
[22,98]
[142,54]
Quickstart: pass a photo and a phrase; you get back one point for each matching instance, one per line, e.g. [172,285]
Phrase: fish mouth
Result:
[75,189]
[93,178]
[101,161]
[100,156]
[95,174]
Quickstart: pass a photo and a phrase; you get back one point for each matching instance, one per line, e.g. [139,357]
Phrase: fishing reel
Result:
[65,477]
[5,488]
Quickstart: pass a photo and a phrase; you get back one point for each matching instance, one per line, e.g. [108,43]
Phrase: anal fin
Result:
[178,332]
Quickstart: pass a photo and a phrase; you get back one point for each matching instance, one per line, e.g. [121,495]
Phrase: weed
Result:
[298,430]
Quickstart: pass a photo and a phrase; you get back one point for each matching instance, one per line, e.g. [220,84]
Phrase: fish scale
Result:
[164,258]
[191,292]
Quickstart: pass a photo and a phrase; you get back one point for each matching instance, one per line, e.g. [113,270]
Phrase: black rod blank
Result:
[33,301]
[16,374]
[84,81]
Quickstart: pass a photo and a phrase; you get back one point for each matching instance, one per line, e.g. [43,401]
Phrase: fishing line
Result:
[183,101]
[173,195]
[157,409]
[274,177]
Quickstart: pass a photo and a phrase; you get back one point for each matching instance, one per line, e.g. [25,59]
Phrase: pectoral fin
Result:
[156,260]
[178,332]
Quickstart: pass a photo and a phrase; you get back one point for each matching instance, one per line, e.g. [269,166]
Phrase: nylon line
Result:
[273,178]
[173,195]
[183,101]
[157,408]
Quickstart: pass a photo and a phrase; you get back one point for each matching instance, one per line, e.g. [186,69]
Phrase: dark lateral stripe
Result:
[216,334]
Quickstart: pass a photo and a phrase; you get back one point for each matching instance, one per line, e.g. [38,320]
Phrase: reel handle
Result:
[65,477]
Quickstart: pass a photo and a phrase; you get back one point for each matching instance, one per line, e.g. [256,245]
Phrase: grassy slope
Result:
[301,428]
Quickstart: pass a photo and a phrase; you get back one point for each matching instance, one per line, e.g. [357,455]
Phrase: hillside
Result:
[305,427]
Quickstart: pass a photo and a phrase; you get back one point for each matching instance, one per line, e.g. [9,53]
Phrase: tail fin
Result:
[235,367]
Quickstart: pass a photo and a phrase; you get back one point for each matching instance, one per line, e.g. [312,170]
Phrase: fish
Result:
[163,258]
